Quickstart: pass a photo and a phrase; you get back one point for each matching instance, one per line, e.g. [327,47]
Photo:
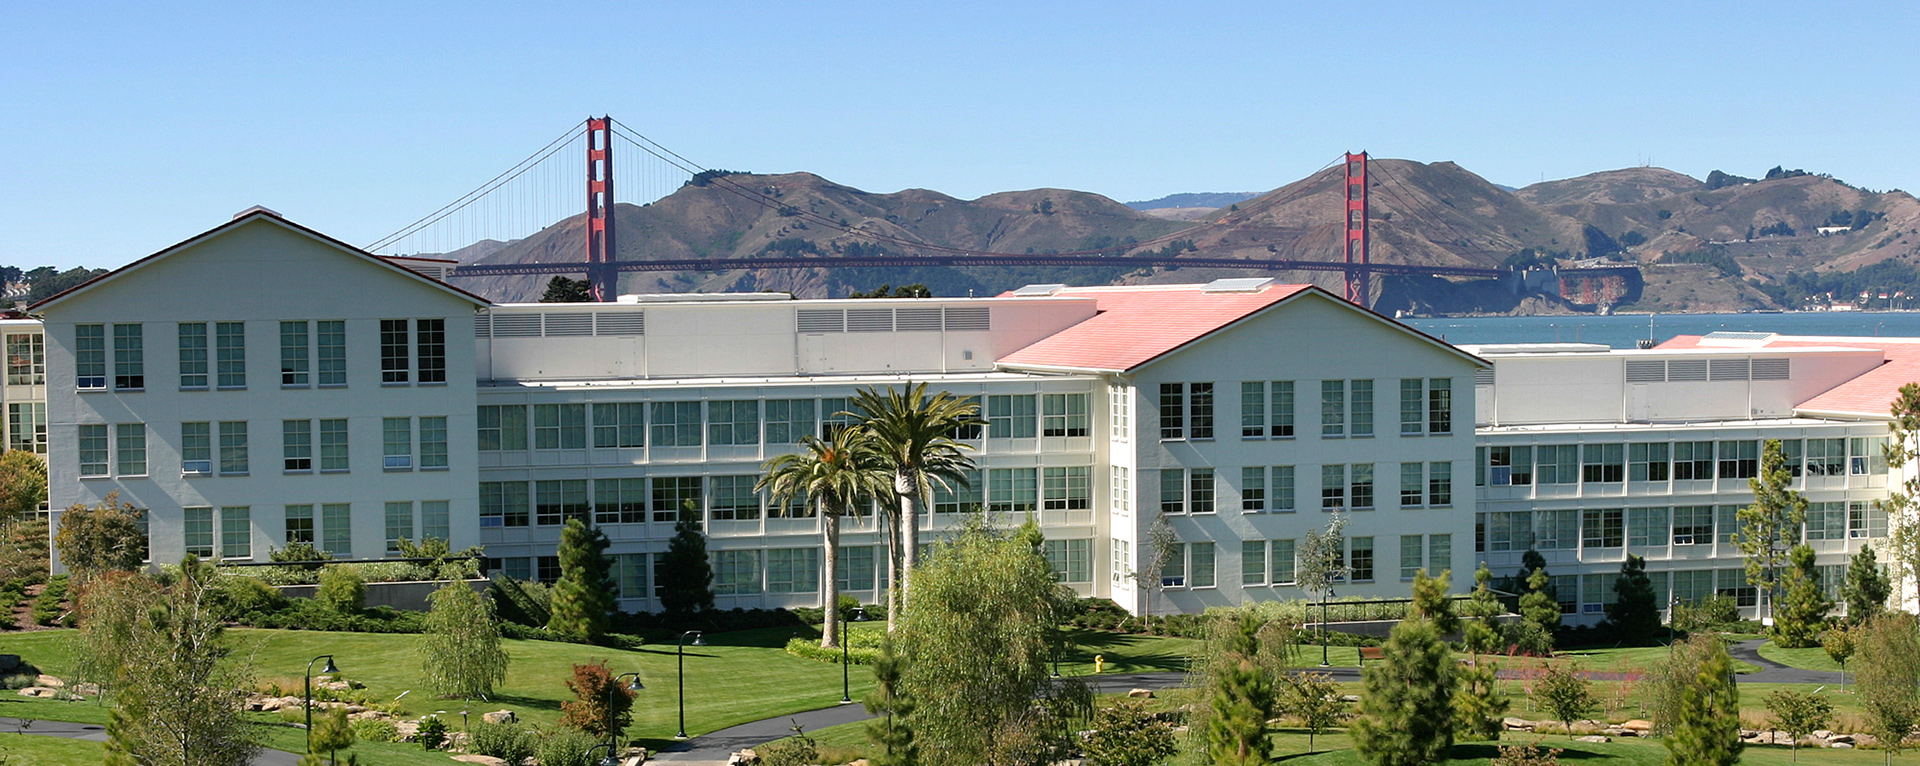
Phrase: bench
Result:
[1371,653]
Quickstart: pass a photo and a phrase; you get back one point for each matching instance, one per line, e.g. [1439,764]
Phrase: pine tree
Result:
[1866,589]
[119,745]
[1635,611]
[1484,634]
[891,730]
[1803,607]
[460,655]
[1478,705]
[1539,613]
[1407,704]
[686,578]
[332,733]
[562,289]
[1431,602]
[1770,523]
[1239,694]
[1707,732]
[583,598]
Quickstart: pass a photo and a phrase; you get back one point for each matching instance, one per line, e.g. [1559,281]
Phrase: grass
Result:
[1811,658]
[29,750]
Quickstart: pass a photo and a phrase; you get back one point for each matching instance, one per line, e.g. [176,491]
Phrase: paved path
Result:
[96,733]
[1773,672]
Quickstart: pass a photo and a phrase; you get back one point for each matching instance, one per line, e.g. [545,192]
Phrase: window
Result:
[130,449]
[90,357]
[1253,410]
[1253,489]
[1200,565]
[1692,461]
[1826,521]
[1602,463]
[1122,500]
[1012,490]
[196,526]
[1283,563]
[1412,407]
[294,355]
[1173,412]
[296,445]
[1120,563]
[1413,480]
[1733,582]
[1728,519]
[556,500]
[630,575]
[129,358]
[336,529]
[299,524]
[955,497]
[230,354]
[1071,560]
[676,424]
[1120,411]
[1361,486]
[836,414]
[1566,592]
[1174,573]
[1439,553]
[1063,415]
[564,426]
[1869,456]
[1360,558]
[431,335]
[1510,531]
[26,359]
[396,443]
[1333,487]
[1360,405]
[793,570]
[1794,455]
[1333,408]
[736,572]
[1594,590]
[1200,410]
[1200,490]
[433,443]
[856,568]
[1440,406]
[1067,489]
[399,525]
[1826,457]
[27,426]
[546,569]
[1440,483]
[1604,528]
[788,420]
[733,422]
[233,448]
[1556,530]
[1011,417]
[1509,466]
[1693,525]
[1173,490]
[333,445]
[1282,487]
[1739,459]
[1413,555]
[504,504]
[674,496]
[1866,521]
[619,501]
[1253,562]
[1692,587]
[504,427]
[1647,528]
[93,450]
[236,532]
[1558,464]
[332,357]
[734,499]
[976,426]
[394,354]
[1282,425]
[1647,462]
[196,448]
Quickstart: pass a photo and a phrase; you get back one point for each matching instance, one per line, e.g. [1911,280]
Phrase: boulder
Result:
[1640,725]
[1615,731]
[47,680]
[335,686]
[1822,734]
[38,691]
[1593,738]
[487,760]
[1517,724]
[1836,738]
[1140,693]
[745,757]
[1865,740]
[499,716]
[1842,746]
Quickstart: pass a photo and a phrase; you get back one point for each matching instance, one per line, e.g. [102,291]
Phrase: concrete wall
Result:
[404,596]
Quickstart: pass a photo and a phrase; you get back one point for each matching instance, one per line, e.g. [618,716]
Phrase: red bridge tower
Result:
[1356,226]
[603,280]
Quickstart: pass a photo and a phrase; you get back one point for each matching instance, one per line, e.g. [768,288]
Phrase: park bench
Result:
[1371,653]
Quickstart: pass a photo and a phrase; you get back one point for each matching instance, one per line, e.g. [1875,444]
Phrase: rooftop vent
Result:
[1736,339]
[1034,291]
[1238,285]
[257,209]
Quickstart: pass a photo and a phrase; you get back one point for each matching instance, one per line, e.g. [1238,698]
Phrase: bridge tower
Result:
[1357,241]
[603,279]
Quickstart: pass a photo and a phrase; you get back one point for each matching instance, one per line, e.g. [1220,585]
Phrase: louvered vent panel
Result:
[969,318]
[1646,371]
[1772,369]
[1687,369]
[516,326]
[822,320]
[869,320]
[1483,377]
[620,323]
[483,326]
[910,320]
[569,325]
[1729,369]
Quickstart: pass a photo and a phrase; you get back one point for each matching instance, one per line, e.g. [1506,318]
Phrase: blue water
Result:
[1622,331]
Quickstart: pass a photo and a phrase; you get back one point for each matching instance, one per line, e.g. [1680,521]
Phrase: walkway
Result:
[93,732]
[1773,672]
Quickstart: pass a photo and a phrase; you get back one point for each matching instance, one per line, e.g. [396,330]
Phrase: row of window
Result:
[311,353]
[125,444]
[1643,528]
[1592,593]
[1501,466]
[26,359]
[1273,562]
[1272,488]
[226,532]
[778,570]
[1267,409]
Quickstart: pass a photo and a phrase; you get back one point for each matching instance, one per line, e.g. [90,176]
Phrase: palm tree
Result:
[914,433]
[831,474]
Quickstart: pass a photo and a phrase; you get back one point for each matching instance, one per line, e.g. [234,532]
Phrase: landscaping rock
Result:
[1615,731]
[1593,738]
[1865,740]
[1837,739]
[1140,693]
[1640,725]
[50,681]
[1842,746]
[1822,734]
[1517,724]
[487,760]
[499,716]
[745,757]
[38,691]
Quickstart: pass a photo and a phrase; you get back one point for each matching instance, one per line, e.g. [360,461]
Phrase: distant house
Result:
[1826,230]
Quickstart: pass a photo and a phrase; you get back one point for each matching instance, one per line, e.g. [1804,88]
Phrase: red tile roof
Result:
[1135,325]
[1871,394]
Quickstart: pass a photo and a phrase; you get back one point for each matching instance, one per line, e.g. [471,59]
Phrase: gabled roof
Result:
[1133,326]
[1871,394]
[258,214]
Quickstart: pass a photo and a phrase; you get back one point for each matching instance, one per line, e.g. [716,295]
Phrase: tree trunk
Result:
[830,587]
[906,484]
[893,572]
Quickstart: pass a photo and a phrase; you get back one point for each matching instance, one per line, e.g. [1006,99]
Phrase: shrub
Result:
[797,750]
[862,647]
[509,742]
[239,595]
[565,747]
[376,730]
[47,608]
[19,681]
[342,589]
[432,733]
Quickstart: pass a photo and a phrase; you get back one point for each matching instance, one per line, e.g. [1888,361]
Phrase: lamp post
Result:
[859,614]
[1324,596]
[329,670]
[1673,615]
[613,736]
[699,639]
[607,760]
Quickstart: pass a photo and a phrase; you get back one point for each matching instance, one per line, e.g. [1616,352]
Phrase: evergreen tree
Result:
[332,733]
[1707,732]
[583,598]
[1804,605]
[1430,601]
[1239,695]
[1406,707]
[891,729]
[119,745]
[1635,611]
[1478,705]
[460,655]
[562,289]
[1484,634]
[1866,589]
[1770,524]
[1539,613]
[686,577]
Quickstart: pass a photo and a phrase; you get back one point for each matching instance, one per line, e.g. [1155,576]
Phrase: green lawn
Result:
[1812,658]
[29,750]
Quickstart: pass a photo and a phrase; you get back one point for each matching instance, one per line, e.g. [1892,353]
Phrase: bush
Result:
[20,680]
[310,614]
[509,742]
[862,648]
[376,730]
[432,733]
[797,750]
[342,589]
[240,595]
[47,608]
[565,747]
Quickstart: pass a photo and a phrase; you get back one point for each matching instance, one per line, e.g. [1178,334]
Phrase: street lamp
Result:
[1325,595]
[859,614]
[699,639]
[632,686]
[607,760]
[328,670]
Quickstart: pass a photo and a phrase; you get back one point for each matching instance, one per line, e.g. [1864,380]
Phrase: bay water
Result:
[1624,330]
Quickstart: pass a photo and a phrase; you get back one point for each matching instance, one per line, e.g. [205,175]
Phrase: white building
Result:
[1240,411]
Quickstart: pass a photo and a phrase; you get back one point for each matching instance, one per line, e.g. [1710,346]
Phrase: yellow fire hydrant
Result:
[1099,662]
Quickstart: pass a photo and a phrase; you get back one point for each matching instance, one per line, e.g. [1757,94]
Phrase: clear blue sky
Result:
[129,126]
